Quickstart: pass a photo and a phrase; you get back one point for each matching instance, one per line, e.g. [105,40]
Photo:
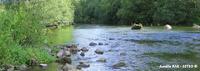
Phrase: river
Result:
[141,50]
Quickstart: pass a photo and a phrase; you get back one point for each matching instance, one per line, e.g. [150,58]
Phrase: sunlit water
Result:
[145,50]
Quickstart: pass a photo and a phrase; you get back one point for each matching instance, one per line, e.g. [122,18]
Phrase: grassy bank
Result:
[22,29]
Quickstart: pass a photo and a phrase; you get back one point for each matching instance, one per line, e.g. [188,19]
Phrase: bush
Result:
[22,27]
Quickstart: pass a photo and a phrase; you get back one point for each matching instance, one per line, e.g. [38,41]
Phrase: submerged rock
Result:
[119,64]
[93,44]
[98,51]
[122,54]
[101,60]
[168,27]
[136,26]
[106,44]
[111,39]
[100,43]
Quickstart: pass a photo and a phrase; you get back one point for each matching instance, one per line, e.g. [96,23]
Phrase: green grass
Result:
[17,55]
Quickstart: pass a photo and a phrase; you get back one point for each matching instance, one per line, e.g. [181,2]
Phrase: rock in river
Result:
[74,49]
[98,51]
[93,44]
[119,64]
[168,27]
[83,65]
[100,43]
[101,60]
[136,26]
[195,26]
[111,39]
[122,54]
[82,54]
[65,60]
[84,49]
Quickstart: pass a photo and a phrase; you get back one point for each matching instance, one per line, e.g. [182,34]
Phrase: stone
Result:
[119,64]
[83,65]
[168,27]
[82,54]
[60,54]
[98,51]
[9,67]
[195,26]
[67,53]
[74,49]
[65,60]
[111,39]
[32,62]
[137,26]
[101,60]
[92,44]
[21,67]
[122,54]
[106,44]
[100,43]
[43,65]
[84,49]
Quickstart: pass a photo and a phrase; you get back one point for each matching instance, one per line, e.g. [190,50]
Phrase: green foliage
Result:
[22,29]
[177,12]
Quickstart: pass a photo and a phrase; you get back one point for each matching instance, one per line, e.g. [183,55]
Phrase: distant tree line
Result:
[148,12]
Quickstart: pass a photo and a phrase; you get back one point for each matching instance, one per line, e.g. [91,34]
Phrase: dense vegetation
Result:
[22,28]
[23,23]
[148,12]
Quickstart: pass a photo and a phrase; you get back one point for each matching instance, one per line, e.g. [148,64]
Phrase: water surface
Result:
[145,49]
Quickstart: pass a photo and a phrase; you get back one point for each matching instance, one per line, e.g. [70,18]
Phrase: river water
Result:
[141,50]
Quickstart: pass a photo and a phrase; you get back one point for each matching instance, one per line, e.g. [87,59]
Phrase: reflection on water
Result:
[60,35]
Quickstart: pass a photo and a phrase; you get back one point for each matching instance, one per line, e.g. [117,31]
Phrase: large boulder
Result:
[195,26]
[137,26]
[168,27]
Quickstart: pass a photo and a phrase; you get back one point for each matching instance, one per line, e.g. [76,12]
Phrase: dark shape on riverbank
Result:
[136,26]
